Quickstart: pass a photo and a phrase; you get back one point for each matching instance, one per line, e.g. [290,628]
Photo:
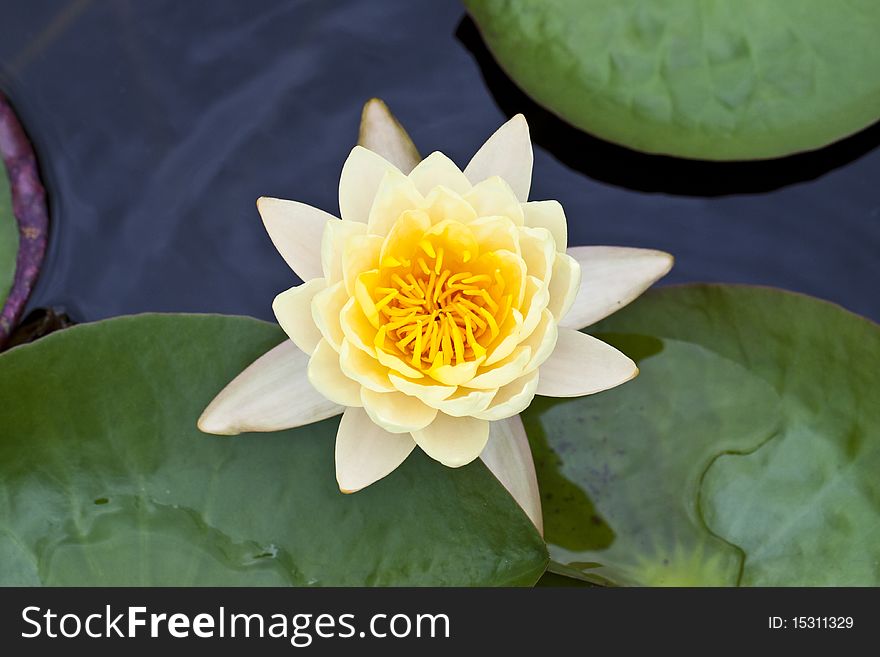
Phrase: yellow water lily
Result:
[433,311]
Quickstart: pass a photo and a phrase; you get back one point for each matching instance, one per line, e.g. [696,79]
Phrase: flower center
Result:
[440,305]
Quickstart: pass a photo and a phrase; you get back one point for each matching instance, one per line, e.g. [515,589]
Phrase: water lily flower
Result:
[433,311]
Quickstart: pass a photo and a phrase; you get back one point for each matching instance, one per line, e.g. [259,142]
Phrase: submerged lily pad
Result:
[746,451]
[725,80]
[8,238]
[105,480]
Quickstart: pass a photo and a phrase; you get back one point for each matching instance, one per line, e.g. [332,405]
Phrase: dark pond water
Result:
[159,123]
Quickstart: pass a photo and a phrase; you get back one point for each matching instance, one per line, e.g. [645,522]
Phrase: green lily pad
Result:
[716,80]
[746,451]
[107,481]
[8,238]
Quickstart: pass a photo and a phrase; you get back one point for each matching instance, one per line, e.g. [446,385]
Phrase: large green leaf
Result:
[707,79]
[746,451]
[8,238]
[104,478]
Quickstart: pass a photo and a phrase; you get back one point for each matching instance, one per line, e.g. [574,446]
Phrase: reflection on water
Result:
[158,124]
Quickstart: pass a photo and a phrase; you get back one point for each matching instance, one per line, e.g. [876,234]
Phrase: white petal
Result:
[424,388]
[397,412]
[364,369]
[333,243]
[466,401]
[493,197]
[454,441]
[361,254]
[358,182]
[382,133]
[582,365]
[395,195]
[512,398]
[564,285]
[273,393]
[327,378]
[509,457]
[437,169]
[327,308]
[611,277]
[549,215]
[293,310]
[502,372]
[296,230]
[365,452]
[507,153]
[542,341]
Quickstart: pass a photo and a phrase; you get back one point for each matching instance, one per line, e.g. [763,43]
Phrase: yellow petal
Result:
[511,399]
[456,375]
[361,254]
[495,233]
[509,457]
[507,153]
[582,365]
[612,276]
[333,245]
[293,311]
[296,230]
[466,401]
[366,452]
[503,372]
[273,393]
[396,194]
[538,251]
[549,215]
[510,329]
[424,389]
[364,368]
[494,196]
[442,204]
[437,169]
[564,285]
[359,181]
[326,309]
[542,341]
[382,133]
[537,298]
[454,441]
[327,377]
[396,412]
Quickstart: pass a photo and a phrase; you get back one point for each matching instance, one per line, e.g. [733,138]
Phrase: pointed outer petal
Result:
[443,204]
[503,372]
[454,441]
[366,452]
[542,341]
[507,153]
[538,251]
[382,133]
[549,215]
[437,169]
[511,399]
[466,402]
[496,234]
[396,194]
[424,389]
[327,307]
[361,254]
[564,284]
[333,246]
[456,375]
[397,412]
[538,295]
[582,365]
[271,394]
[612,276]
[356,329]
[327,377]
[494,196]
[511,330]
[364,369]
[296,230]
[359,181]
[293,310]
[509,457]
